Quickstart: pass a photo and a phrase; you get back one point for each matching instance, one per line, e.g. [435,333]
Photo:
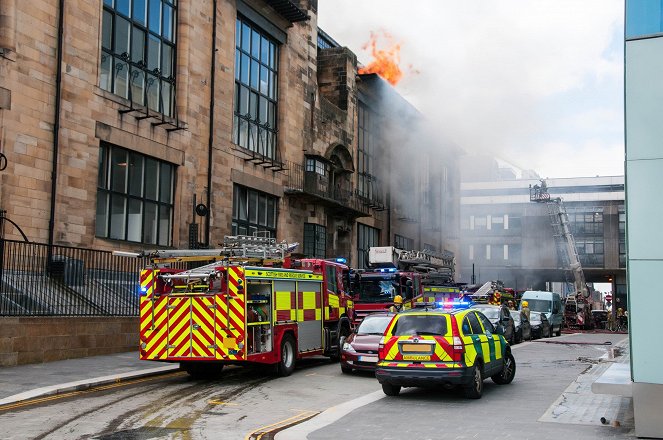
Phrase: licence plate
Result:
[373,359]
[416,358]
[416,348]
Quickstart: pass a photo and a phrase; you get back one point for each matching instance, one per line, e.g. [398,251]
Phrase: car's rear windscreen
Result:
[420,325]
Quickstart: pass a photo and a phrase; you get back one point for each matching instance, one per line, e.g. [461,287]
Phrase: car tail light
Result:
[381,353]
[458,347]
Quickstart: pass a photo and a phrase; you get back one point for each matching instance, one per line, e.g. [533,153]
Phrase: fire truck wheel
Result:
[199,370]
[287,364]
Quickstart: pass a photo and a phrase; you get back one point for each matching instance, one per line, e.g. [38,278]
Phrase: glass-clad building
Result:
[644,206]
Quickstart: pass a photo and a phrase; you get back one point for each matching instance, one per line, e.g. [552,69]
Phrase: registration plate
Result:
[373,359]
[416,358]
[416,348]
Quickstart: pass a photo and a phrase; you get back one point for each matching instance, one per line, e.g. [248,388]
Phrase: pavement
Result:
[25,382]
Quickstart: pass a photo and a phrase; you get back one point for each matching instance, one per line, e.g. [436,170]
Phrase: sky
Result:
[538,83]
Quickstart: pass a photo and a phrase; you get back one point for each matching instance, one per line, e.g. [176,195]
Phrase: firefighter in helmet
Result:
[525,309]
[398,304]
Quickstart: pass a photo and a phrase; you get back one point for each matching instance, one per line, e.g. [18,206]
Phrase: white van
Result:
[549,303]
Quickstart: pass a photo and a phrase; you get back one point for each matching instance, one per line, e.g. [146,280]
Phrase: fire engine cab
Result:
[393,271]
[250,304]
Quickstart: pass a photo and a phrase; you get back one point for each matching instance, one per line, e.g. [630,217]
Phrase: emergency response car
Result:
[457,347]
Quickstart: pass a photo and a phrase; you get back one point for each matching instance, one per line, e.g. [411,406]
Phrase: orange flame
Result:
[386,61]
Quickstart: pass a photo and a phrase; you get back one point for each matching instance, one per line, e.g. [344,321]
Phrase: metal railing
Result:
[38,280]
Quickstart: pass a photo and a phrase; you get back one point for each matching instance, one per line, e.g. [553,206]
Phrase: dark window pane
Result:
[255,72]
[118,217]
[107,30]
[168,27]
[264,80]
[137,85]
[151,179]
[166,183]
[121,78]
[122,28]
[140,11]
[150,228]
[253,106]
[167,98]
[119,170]
[271,212]
[138,45]
[135,221]
[153,53]
[153,92]
[101,223]
[164,225]
[135,174]
[102,182]
[243,101]
[166,61]
[262,210]
[105,75]
[244,69]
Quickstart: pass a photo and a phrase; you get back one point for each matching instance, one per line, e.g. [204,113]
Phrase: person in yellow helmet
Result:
[525,309]
[398,304]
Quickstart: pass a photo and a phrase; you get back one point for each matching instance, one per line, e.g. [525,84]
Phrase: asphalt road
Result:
[251,404]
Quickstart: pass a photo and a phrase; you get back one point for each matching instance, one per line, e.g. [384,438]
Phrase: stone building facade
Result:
[132,124]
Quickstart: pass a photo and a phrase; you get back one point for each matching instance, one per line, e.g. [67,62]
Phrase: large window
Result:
[254,213]
[256,78]
[405,243]
[590,252]
[134,197]
[367,237]
[586,221]
[315,240]
[138,52]
[365,153]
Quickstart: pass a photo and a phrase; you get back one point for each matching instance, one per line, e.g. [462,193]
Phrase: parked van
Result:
[549,303]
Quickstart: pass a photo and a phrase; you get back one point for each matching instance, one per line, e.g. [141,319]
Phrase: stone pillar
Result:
[8,25]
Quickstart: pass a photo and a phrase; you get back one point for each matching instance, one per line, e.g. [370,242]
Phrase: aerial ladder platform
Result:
[564,242]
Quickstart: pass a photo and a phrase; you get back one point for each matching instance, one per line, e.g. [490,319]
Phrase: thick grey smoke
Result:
[536,82]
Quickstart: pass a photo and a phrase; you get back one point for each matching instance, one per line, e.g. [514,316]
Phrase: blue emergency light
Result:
[143,290]
[341,260]
[456,304]
[387,270]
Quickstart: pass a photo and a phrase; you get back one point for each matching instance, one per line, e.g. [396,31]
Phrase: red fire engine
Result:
[392,272]
[251,304]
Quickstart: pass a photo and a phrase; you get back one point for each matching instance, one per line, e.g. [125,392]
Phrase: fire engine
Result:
[394,271]
[252,304]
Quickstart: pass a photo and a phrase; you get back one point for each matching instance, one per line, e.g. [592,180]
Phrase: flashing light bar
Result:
[457,304]
[341,260]
[387,270]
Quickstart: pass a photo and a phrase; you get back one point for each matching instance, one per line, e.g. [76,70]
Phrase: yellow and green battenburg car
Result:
[447,347]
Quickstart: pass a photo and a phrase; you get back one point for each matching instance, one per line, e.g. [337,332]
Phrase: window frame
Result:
[367,237]
[243,199]
[249,95]
[138,65]
[108,191]
[313,250]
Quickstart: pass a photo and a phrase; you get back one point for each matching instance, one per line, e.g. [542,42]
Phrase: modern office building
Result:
[644,207]
[507,237]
